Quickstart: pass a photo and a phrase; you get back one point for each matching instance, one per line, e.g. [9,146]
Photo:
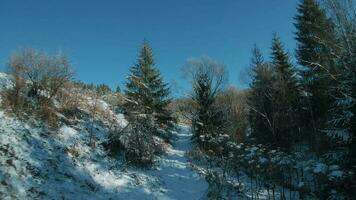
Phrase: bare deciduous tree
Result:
[14,95]
[46,74]
[215,71]
[37,76]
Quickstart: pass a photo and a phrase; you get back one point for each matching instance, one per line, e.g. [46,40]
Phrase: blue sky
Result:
[102,38]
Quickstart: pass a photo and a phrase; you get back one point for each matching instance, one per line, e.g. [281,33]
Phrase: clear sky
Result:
[102,38]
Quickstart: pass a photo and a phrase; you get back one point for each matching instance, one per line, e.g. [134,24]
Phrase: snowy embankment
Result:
[41,163]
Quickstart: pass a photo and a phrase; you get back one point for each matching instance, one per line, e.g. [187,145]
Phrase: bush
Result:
[48,113]
[14,97]
[46,74]
[37,79]
[136,141]
[70,100]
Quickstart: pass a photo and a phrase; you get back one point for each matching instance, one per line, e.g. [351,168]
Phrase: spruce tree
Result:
[260,100]
[118,89]
[286,96]
[147,94]
[342,126]
[210,122]
[284,72]
[315,52]
[315,34]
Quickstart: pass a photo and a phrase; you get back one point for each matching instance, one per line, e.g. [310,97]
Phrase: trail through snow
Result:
[179,181]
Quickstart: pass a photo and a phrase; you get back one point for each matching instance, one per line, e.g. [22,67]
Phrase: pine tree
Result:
[146,92]
[139,144]
[260,100]
[118,89]
[284,72]
[315,53]
[210,121]
[286,96]
[342,126]
[315,34]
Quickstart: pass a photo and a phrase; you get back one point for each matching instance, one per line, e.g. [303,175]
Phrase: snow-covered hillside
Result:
[37,162]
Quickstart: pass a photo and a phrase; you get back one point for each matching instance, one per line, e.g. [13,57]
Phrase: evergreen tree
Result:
[146,92]
[118,89]
[210,123]
[315,45]
[342,126]
[284,73]
[260,100]
[315,33]
[139,144]
[286,96]
[102,89]
[208,120]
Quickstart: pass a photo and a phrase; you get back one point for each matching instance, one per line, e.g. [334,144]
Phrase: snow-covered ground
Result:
[37,162]
[175,173]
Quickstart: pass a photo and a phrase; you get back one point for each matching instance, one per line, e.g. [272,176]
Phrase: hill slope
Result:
[37,162]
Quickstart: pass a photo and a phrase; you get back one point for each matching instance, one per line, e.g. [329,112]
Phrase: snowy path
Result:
[178,179]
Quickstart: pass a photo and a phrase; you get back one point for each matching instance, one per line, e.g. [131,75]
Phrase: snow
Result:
[67,134]
[336,174]
[41,163]
[120,118]
[5,81]
[176,174]
[37,163]
[320,168]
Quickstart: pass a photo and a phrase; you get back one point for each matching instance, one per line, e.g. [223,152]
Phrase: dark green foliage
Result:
[118,89]
[210,120]
[260,100]
[286,97]
[342,124]
[316,50]
[274,99]
[146,101]
[309,111]
[146,92]
[315,34]
[136,141]
[100,89]
[103,89]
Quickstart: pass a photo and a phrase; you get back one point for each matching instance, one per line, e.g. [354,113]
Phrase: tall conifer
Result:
[315,37]
[146,92]
[286,96]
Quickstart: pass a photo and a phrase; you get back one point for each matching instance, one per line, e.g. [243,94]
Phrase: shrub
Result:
[13,97]
[136,141]
[37,79]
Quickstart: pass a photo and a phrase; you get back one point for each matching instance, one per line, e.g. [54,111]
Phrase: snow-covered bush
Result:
[293,171]
[136,142]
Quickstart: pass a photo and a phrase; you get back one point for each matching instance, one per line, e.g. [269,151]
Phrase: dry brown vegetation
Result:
[236,102]
[38,78]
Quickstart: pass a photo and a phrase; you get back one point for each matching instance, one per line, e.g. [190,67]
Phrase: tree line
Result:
[290,107]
